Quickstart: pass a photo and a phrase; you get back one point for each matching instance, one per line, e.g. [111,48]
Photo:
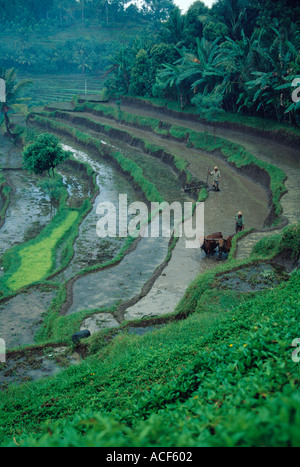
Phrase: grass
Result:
[60,88]
[233,152]
[127,165]
[36,259]
[5,191]
[238,119]
[287,242]
[222,377]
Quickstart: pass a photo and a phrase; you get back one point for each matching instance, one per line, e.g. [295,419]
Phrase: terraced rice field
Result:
[107,282]
[61,88]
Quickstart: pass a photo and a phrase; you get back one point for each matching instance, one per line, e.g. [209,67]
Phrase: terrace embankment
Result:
[277,149]
[159,282]
[238,190]
[141,107]
[169,285]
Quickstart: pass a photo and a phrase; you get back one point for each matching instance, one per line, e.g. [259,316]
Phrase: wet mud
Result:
[22,315]
[144,284]
[28,211]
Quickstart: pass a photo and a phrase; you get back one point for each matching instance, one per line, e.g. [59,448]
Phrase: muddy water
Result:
[126,280]
[252,278]
[89,248]
[287,159]
[22,315]
[237,192]
[28,211]
[168,289]
[284,157]
[36,364]
[10,155]
[123,281]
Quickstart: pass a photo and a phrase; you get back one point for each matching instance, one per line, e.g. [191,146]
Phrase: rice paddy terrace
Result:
[70,279]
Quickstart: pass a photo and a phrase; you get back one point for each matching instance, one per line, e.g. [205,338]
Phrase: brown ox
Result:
[225,245]
[211,242]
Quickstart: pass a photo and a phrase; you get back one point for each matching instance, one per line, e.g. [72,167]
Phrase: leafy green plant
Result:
[44,154]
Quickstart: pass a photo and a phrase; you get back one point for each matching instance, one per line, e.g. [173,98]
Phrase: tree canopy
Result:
[44,154]
[244,51]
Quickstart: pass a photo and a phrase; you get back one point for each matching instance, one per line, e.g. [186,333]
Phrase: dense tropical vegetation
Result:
[243,55]
[237,59]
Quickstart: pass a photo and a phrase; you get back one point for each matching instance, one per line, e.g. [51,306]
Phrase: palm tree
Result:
[202,69]
[238,59]
[271,79]
[234,16]
[172,31]
[170,77]
[122,64]
[13,102]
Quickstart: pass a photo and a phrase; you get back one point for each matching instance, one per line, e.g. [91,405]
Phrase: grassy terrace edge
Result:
[12,266]
[229,382]
[233,153]
[226,382]
[58,328]
[63,233]
[91,142]
[261,126]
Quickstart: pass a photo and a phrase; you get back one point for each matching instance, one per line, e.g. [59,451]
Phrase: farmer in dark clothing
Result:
[239,222]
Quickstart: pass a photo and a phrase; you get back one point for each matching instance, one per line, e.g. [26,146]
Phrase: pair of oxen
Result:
[216,240]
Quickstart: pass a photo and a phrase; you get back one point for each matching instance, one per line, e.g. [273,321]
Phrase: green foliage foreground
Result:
[224,376]
[44,154]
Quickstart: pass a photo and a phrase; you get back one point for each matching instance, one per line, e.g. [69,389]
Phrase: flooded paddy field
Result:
[252,278]
[36,363]
[22,315]
[143,284]
[28,211]
[89,248]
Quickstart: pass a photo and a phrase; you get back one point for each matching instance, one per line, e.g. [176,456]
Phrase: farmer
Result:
[217,178]
[239,222]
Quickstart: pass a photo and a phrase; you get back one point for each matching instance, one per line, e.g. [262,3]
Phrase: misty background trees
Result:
[243,54]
